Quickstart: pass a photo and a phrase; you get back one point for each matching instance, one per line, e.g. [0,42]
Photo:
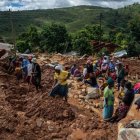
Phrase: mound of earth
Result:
[52,109]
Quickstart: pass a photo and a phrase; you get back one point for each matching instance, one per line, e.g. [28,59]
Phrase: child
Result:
[18,72]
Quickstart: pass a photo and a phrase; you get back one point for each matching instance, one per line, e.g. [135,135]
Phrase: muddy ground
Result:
[27,115]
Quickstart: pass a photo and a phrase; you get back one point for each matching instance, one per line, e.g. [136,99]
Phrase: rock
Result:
[70,95]
[50,128]
[92,93]
[81,96]
[133,124]
[87,107]
[91,96]
[96,105]
[4,86]
[91,90]
[129,134]
[81,103]
[83,87]
[75,96]
[83,91]
[78,92]
[65,113]
[79,100]
[39,122]
[120,126]
[49,122]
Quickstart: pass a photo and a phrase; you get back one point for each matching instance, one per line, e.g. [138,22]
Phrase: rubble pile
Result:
[52,109]
[27,115]
[2,52]
[133,66]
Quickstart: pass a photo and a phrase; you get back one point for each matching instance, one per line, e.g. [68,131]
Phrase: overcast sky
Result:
[49,4]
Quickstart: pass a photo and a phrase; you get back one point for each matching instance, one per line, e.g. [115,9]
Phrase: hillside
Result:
[74,18]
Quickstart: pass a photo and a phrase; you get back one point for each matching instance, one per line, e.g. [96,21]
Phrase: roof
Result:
[5,46]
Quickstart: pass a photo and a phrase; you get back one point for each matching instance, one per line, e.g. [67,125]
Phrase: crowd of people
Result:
[107,69]
[26,68]
[114,74]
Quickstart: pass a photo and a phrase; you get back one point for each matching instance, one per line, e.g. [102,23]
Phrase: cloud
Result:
[49,4]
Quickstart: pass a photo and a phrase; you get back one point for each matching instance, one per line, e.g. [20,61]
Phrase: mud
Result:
[27,115]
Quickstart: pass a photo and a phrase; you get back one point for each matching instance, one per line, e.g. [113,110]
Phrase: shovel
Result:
[54,87]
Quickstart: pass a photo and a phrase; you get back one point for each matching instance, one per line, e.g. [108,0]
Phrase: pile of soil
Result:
[52,109]
[134,66]
[93,125]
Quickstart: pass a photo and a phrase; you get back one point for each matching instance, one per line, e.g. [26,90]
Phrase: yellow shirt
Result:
[17,70]
[61,77]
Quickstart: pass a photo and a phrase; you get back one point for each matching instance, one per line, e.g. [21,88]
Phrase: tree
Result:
[94,32]
[2,39]
[54,38]
[134,37]
[34,39]
[82,39]
[29,39]
[22,46]
[112,35]
[121,40]
[81,42]
[134,27]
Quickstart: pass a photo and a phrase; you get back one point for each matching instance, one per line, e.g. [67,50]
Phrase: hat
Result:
[58,68]
[110,81]
[33,60]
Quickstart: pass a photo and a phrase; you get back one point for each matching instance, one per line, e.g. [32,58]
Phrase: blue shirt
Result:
[25,62]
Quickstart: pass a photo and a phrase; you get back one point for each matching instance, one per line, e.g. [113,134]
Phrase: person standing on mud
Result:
[125,104]
[121,74]
[29,70]
[36,74]
[60,86]
[108,100]
[24,64]
[18,71]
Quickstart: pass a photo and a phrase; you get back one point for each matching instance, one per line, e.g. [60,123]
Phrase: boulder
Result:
[91,90]
[133,124]
[129,134]
[76,96]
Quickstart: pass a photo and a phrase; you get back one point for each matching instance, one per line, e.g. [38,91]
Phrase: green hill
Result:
[74,18]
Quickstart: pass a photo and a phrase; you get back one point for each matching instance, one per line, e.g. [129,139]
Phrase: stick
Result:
[53,88]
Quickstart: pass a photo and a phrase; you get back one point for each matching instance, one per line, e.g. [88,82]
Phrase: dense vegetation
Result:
[72,28]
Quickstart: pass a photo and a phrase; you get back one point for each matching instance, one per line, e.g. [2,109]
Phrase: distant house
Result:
[6,46]
[97,46]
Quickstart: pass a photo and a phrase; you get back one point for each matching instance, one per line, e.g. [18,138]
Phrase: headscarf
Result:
[58,68]
[34,60]
[110,81]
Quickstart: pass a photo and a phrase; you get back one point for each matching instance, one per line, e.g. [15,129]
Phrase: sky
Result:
[50,4]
